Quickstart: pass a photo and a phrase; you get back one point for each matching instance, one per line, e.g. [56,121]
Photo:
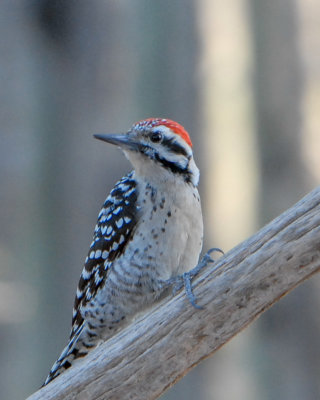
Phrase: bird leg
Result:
[184,280]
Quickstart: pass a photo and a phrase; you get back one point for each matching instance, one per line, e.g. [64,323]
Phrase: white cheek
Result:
[196,172]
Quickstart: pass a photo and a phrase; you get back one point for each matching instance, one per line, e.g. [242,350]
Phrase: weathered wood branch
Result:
[159,348]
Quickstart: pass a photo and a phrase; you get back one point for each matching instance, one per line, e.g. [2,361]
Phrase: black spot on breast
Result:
[152,191]
[163,200]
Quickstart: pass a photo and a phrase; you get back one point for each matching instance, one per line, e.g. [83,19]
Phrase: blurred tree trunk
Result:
[279,91]
[230,173]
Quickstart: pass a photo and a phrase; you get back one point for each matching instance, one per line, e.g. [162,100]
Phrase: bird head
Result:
[158,143]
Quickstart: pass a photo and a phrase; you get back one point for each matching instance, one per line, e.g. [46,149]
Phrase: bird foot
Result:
[184,280]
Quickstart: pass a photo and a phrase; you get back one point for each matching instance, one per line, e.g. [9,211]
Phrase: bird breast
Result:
[168,237]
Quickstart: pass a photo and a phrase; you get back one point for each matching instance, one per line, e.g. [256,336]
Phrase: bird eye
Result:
[156,137]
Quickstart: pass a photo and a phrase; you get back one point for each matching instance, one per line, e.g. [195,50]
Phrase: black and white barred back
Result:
[114,228]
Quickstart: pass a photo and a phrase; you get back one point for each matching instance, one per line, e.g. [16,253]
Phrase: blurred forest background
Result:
[243,77]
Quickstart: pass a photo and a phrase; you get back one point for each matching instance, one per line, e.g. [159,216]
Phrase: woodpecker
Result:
[148,236]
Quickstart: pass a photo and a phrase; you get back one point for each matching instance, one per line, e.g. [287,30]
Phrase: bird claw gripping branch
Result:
[185,279]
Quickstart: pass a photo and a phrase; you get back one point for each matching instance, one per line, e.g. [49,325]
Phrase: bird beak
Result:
[121,140]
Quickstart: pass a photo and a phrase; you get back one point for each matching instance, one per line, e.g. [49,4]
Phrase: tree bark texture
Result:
[161,346]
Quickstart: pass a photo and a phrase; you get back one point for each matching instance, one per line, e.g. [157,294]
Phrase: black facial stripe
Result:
[174,147]
[174,167]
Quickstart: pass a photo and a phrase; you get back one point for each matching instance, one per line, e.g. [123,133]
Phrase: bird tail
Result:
[73,350]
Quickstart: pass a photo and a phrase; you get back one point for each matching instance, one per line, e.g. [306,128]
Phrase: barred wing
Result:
[115,225]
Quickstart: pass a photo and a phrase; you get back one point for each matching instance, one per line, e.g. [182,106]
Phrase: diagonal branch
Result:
[151,354]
